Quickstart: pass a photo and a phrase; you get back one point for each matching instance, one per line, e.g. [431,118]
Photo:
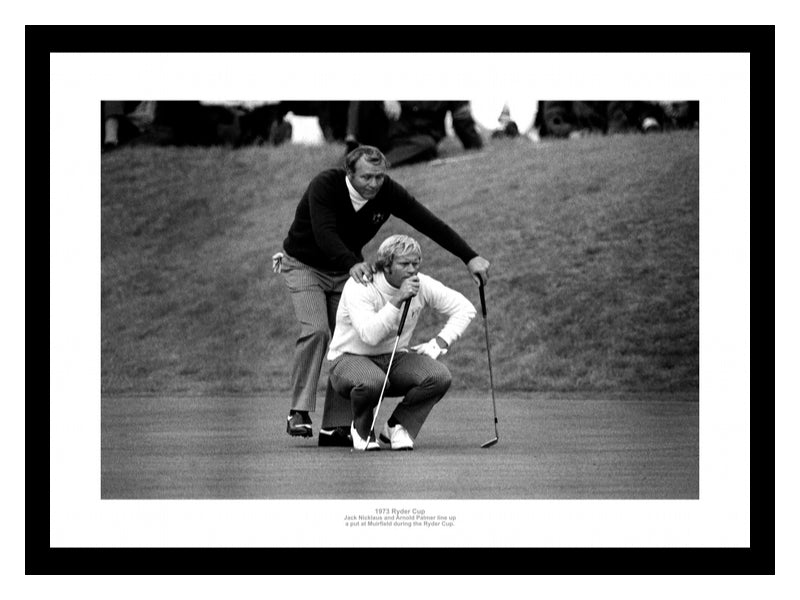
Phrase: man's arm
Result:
[448,302]
[372,325]
[410,210]
[451,303]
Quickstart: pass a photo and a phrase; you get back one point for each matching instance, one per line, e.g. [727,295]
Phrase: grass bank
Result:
[594,244]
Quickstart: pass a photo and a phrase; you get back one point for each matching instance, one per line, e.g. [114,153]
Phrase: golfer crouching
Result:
[367,323]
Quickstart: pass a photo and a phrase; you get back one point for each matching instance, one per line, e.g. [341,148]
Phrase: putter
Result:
[406,304]
[496,438]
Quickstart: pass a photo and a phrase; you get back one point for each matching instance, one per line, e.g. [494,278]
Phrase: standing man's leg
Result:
[351,133]
[336,414]
[464,125]
[336,417]
[366,124]
[307,291]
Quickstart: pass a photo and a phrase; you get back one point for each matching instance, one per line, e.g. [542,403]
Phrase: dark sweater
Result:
[328,234]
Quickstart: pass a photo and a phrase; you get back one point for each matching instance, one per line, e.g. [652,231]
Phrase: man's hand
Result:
[408,289]
[362,272]
[432,349]
[392,109]
[479,269]
[277,262]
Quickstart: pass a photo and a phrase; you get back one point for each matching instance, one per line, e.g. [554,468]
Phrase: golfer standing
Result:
[362,349]
[339,213]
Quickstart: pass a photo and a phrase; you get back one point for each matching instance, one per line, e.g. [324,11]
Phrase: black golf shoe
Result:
[299,424]
[336,436]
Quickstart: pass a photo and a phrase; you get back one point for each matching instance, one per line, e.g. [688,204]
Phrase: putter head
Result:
[491,442]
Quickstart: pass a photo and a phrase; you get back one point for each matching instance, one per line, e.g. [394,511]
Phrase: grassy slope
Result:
[594,244]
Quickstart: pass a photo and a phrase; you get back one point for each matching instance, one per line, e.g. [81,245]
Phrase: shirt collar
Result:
[386,288]
[357,199]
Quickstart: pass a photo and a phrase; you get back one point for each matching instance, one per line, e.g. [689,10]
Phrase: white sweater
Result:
[367,322]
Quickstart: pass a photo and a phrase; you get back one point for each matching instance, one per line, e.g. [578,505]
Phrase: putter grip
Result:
[406,304]
[483,299]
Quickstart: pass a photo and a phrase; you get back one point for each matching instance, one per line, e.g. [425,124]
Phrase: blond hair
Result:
[396,245]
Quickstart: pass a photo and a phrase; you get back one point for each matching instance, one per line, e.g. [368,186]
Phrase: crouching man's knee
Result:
[369,388]
[439,381]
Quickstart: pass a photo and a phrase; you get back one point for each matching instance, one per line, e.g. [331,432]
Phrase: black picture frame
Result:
[757,41]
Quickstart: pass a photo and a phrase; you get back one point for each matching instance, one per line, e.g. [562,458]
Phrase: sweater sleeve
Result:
[373,325]
[321,205]
[410,210]
[451,303]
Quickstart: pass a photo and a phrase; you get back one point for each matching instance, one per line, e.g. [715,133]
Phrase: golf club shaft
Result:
[406,304]
[488,353]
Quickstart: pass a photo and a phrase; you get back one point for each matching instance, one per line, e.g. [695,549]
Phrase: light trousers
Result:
[315,295]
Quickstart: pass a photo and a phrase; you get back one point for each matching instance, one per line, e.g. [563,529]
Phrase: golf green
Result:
[551,446]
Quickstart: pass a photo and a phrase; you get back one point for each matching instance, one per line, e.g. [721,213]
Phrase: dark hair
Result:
[370,153]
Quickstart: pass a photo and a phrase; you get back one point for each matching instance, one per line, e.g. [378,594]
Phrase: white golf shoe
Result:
[397,436]
[361,444]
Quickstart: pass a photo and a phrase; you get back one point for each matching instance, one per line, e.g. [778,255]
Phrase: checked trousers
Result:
[421,381]
[315,296]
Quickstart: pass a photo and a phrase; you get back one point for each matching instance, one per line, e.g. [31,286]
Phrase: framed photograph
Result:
[596,417]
